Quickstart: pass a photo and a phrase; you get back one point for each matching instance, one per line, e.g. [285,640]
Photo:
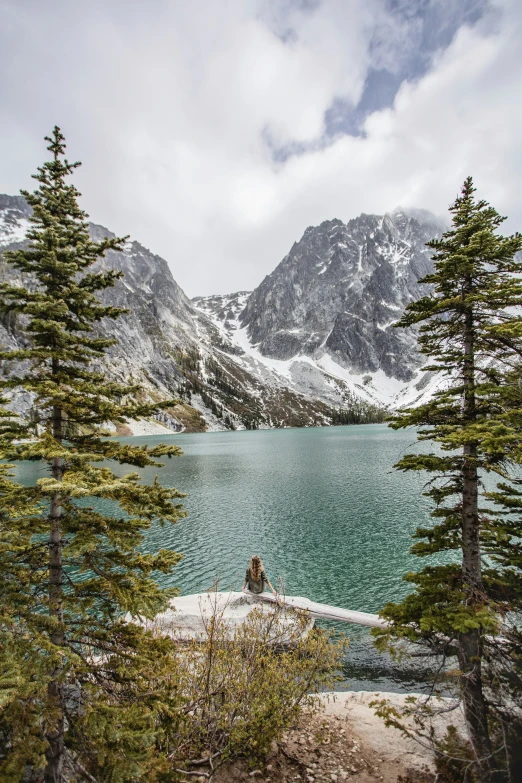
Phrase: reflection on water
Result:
[322,507]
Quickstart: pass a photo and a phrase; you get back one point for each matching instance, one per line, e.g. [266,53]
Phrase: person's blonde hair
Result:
[256,566]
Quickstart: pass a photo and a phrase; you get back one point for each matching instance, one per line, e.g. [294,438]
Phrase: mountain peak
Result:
[15,203]
[339,291]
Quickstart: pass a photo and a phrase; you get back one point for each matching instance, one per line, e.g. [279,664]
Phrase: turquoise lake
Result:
[323,507]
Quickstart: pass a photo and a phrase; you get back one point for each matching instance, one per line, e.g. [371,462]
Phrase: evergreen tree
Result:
[70,696]
[471,328]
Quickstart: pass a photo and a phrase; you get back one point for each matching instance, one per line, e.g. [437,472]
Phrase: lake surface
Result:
[324,509]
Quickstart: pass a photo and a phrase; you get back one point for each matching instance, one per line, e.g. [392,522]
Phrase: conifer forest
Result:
[261,391]
[88,693]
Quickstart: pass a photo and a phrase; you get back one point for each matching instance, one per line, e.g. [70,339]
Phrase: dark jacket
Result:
[255,585]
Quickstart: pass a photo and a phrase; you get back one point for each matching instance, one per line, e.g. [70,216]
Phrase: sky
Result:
[214,132]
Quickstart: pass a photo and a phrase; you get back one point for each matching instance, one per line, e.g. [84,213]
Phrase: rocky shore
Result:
[343,741]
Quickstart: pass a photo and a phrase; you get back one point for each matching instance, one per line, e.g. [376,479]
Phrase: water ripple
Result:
[322,507]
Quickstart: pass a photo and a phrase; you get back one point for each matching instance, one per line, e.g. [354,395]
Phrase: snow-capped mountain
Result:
[160,316]
[323,319]
[312,340]
[340,290]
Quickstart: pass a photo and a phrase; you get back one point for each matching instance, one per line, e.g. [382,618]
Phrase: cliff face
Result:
[339,291]
[159,314]
[313,338]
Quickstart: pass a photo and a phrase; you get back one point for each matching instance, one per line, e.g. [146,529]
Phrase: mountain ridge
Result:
[339,288]
[221,356]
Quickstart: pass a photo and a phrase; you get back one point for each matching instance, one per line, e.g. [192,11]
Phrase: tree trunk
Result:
[469,648]
[55,727]
[475,709]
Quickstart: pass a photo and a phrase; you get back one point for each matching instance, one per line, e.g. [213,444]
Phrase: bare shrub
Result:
[243,686]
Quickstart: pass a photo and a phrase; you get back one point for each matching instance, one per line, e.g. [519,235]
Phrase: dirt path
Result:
[344,741]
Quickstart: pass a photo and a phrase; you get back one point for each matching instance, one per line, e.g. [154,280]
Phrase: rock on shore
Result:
[344,741]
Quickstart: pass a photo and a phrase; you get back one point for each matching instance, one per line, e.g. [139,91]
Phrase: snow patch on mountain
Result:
[13,230]
[304,373]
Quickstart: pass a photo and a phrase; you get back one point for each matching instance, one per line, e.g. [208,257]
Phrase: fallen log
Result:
[322,610]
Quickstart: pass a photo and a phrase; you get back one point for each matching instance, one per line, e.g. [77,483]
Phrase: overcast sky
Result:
[215,131]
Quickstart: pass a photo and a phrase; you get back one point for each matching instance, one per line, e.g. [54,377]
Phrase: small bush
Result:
[243,687]
[178,707]
[455,760]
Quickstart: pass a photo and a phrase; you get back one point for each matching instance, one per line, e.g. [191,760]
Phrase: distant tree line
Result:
[359,413]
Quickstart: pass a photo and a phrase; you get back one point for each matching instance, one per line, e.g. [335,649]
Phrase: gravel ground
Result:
[344,741]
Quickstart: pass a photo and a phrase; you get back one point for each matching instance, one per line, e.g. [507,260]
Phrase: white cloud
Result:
[168,105]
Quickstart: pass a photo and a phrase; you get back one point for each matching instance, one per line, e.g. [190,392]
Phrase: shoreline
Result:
[343,740]
[387,742]
[154,429]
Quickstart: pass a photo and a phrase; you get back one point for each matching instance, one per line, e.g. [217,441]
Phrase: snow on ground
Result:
[380,388]
[233,332]
[279,367]
[147,427]
[13,231]
[214,424]
[377,387]
[411,395]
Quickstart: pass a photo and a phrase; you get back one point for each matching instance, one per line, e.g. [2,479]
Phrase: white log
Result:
[323,610]
[189,614]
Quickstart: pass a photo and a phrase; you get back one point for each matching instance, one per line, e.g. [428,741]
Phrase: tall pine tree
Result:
[70,567]
[471,328]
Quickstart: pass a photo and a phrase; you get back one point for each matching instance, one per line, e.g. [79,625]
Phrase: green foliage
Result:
[70,546]
[471,328]
[85,693]
[189,361]
[359,412]
[244,685]
[454,760]
[454,763]
[231,694]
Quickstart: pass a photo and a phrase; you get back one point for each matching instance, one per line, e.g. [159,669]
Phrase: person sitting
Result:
[255,578]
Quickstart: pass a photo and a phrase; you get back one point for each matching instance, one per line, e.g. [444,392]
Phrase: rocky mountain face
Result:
[168,346]
[339,291]
[323,319]
[313,344]
[159,318]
